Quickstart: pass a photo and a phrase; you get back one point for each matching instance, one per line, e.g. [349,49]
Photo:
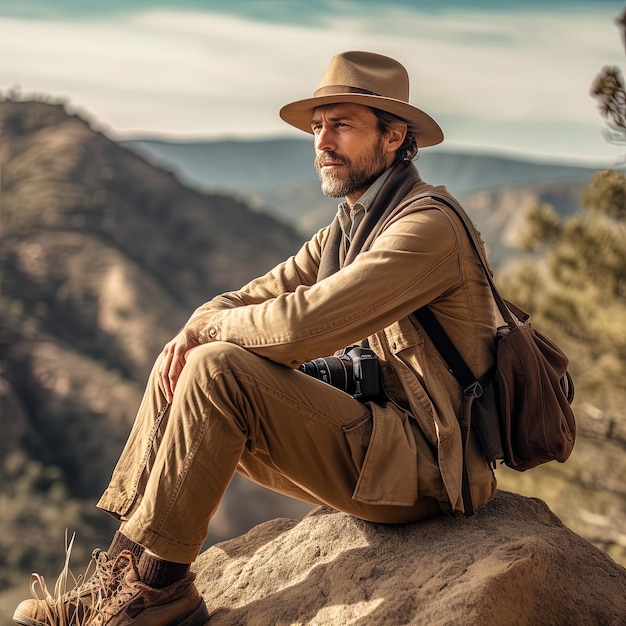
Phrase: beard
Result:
[355,176]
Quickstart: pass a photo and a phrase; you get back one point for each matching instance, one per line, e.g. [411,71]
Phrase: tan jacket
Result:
[420,256]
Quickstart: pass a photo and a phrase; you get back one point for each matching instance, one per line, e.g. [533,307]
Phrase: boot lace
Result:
[77,605]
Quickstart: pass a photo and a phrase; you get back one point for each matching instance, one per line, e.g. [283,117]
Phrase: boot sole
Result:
[198,617]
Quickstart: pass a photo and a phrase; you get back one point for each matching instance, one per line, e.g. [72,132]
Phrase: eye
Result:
[316,128]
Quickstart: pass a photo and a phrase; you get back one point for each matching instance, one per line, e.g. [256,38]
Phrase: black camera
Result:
[356,371]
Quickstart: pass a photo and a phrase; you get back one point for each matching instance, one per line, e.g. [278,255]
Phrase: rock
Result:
[514,562]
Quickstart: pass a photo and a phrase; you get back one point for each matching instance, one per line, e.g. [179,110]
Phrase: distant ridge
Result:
[261,165]
[277,177]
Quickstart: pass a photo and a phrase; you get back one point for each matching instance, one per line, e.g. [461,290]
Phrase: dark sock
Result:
[159,573]
[122,542]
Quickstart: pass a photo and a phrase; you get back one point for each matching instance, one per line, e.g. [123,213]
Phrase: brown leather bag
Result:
[534,392]
[522,410]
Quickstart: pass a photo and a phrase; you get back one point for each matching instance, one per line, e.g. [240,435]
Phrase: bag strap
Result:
[471,389]
[448,351]
[459,368]
[471,386]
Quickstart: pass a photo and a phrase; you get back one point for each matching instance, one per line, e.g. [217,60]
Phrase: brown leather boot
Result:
[133,603]
[74,607]
[115,596]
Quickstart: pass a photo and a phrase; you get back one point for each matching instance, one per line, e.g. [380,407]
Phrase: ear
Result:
[395,136]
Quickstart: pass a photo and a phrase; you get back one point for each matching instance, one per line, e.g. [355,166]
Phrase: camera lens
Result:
[333,370]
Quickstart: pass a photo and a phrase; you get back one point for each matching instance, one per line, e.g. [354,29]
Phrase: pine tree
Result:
[609,89]
[577,290]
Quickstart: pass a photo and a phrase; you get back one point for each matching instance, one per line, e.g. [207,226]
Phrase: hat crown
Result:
[373,73]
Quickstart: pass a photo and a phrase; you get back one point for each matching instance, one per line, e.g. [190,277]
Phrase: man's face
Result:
[351,152]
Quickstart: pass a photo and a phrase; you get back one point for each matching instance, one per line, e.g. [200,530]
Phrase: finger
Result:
[161,378]
[164,375]
[176,367]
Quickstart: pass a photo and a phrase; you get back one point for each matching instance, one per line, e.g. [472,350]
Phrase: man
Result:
[226,394]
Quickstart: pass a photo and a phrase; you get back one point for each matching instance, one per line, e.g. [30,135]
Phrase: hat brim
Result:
[426,131]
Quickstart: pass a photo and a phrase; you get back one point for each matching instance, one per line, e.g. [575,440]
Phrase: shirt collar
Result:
[347,214]
[368,196]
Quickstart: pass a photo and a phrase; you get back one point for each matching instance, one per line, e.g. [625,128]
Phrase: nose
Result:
[324,141]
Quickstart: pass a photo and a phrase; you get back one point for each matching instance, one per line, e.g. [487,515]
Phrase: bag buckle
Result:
[475,390]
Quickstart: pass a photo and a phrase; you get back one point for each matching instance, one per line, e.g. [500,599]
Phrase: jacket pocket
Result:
[389,468]
[358,435]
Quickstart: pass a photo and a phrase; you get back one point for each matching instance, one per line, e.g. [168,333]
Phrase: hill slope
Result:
[103,258]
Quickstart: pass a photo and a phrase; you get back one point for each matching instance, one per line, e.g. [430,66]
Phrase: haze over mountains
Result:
[278,177]
[262,165]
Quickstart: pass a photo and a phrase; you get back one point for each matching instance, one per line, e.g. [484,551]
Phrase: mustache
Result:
[325,157]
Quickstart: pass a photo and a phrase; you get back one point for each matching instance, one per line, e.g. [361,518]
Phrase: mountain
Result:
[94,234]
[103,258]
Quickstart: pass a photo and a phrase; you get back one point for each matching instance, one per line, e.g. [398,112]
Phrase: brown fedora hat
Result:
[369,79]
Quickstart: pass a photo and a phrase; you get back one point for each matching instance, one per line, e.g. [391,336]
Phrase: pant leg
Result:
[137,459]
[233,409]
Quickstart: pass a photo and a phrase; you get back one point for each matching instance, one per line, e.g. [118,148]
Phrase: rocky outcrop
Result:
[512,563]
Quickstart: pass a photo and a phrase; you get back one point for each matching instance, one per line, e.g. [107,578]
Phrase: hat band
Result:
[331,90]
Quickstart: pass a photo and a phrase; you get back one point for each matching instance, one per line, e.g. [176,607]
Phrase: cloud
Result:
[195,73]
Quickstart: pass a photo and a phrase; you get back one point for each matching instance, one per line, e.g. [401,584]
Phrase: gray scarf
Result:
[402,179]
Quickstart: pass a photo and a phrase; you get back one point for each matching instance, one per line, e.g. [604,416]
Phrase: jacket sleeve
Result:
[414,260]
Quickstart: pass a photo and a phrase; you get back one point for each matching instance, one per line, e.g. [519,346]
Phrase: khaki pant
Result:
[235,411]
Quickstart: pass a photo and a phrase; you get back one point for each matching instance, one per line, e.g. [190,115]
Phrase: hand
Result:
[174,359]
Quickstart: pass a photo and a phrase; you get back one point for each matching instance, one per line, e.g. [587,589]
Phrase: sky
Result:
[500,77]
